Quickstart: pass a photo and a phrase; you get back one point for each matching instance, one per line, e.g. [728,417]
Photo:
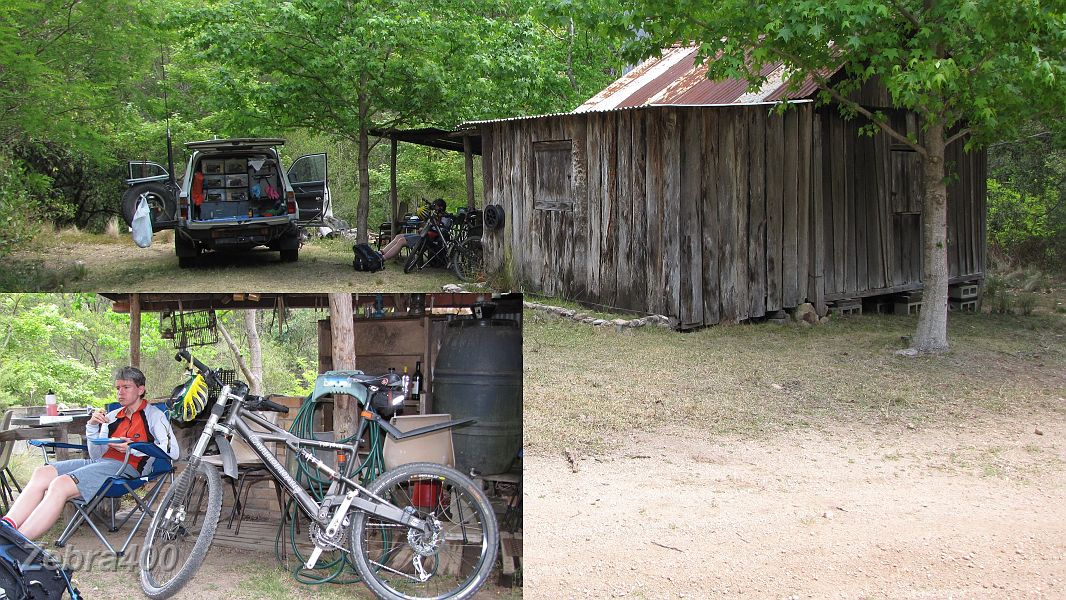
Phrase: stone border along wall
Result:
[573,315]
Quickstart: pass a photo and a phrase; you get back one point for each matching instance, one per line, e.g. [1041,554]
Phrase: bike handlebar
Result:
[184,356]
[261,403]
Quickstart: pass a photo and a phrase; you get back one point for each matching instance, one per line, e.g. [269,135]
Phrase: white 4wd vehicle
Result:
[234,196]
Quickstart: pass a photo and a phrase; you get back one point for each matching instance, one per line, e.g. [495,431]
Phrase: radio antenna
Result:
[166,109]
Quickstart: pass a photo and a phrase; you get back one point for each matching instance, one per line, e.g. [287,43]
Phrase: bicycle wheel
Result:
[414,261]
[181,531]
[451,560]
[467,260]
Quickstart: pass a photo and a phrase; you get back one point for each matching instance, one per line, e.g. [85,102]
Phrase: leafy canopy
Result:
[987,64]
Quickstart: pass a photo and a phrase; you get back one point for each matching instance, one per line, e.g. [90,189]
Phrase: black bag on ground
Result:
[27,572]
[367,259]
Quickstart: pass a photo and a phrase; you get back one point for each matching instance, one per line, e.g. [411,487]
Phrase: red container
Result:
[426,495]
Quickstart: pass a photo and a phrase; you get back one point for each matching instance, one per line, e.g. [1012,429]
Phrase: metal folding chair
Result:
[116,488]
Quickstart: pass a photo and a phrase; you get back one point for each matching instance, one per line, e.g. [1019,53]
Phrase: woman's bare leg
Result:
[47,512]
[32,493]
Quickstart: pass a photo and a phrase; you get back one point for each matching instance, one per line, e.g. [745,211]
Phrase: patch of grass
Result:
[585,387]
[32,275]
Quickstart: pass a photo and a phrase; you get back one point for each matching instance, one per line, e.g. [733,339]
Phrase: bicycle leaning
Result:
[421,530]
[451,241]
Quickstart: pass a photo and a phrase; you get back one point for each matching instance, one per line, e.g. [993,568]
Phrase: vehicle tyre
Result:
[160,199]
[459,554]
[468,260]
[181,531]
[414,261]
[290,254]
[187,250]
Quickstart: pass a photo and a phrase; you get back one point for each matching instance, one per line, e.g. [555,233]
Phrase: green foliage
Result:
[68,343]
[1027,196]
[986,64]
[19,193]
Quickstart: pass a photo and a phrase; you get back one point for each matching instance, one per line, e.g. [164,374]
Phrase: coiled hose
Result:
[339,568]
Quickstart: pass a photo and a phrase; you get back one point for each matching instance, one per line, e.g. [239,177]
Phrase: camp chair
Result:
[250,471]
[7,479]
[116,488]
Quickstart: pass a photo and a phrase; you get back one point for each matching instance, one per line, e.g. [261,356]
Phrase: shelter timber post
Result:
[135,330]
[469,155]
[342,330]
[392,189]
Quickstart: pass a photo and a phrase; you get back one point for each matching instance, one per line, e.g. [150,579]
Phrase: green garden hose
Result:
[308,476]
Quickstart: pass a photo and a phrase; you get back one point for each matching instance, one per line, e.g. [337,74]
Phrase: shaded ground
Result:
[83,262]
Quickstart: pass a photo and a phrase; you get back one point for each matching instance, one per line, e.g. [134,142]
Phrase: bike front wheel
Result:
[414,260]
[181,531]
[451,558]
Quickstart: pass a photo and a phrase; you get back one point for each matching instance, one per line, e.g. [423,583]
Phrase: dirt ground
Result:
[84,262]
[976,510]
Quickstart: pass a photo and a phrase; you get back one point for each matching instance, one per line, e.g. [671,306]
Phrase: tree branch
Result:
[907,14]
[962,133]
[236,351]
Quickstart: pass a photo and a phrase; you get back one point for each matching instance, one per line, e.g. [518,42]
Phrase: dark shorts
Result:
[89,475]
[410,239]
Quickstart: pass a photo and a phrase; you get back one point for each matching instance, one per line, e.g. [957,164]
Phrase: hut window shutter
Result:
[553,175]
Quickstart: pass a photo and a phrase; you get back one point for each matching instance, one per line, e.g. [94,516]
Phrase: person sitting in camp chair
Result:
[41,502]
[437,209]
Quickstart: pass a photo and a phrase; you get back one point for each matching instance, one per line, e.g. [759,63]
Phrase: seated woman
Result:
[40,504]
[438,206]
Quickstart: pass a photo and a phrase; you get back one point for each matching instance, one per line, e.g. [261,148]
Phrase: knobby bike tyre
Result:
[467,263]
[461,557]
[415,259]
[168,535]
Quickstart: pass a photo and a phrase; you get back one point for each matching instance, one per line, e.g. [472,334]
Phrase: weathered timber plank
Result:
[709,216]
[884,210]
[593,205]
[803,192]
[816,269]
[727,214]
[621,241]
[790,212]
[775,142]
[609,223]
[629,236]
[576,126]
[839,201]
[638,189]
[691,250]
[654,206]
[851,220]
[741,170]
[756,125]
[670,279]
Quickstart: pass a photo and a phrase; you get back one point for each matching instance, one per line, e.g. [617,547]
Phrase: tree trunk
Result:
[932,334]
[363,210]
[342,332]
[255,353]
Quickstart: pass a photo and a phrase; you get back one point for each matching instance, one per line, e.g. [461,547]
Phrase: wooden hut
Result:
[671,194]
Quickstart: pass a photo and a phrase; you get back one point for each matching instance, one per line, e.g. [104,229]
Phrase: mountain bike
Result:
[451,241]
[421,530]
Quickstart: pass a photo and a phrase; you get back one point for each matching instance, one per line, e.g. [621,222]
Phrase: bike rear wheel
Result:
[414,261]
[181,531]
[467,261]
[455,558]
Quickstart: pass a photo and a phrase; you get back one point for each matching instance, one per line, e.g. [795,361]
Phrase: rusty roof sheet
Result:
[674,78]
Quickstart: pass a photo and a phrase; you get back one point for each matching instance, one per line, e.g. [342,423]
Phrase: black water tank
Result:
[478,374]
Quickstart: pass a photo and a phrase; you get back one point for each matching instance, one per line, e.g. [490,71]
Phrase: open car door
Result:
[307,176]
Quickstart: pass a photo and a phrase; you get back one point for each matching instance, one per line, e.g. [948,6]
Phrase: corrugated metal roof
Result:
[472,124]
[675,78]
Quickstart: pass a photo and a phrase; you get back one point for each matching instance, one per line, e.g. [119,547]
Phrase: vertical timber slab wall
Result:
[869,198]
[720,214]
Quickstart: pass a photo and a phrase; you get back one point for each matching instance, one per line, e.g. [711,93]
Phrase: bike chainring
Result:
[318,536]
